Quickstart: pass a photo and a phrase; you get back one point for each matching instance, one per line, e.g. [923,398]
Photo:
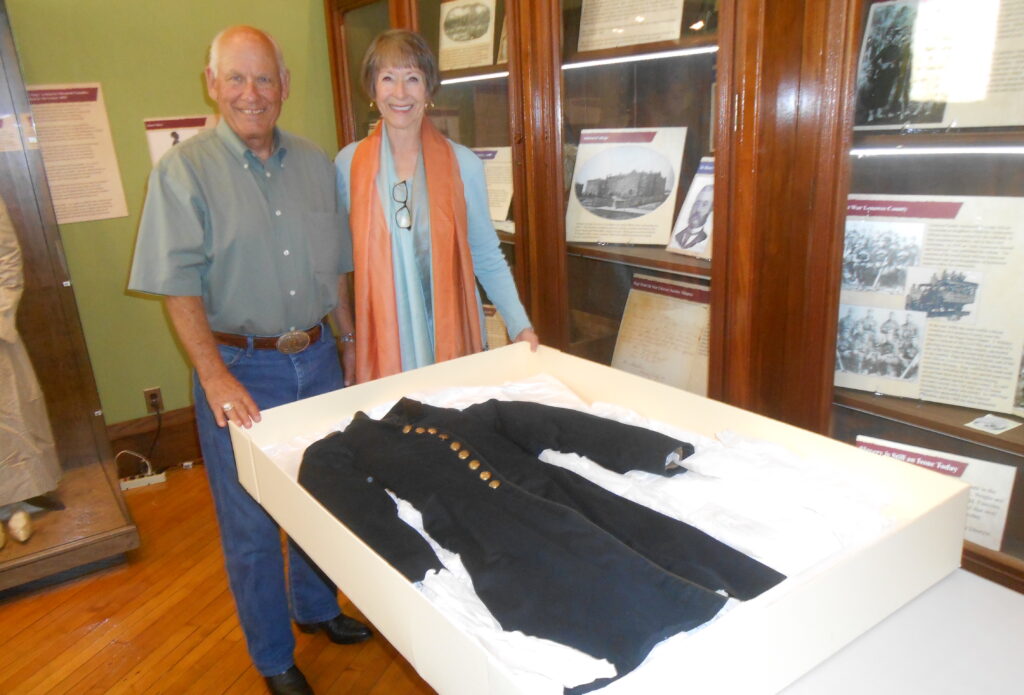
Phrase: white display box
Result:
[771,642]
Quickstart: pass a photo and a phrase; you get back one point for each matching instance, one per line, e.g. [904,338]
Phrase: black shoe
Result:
[291,682]
[341,629]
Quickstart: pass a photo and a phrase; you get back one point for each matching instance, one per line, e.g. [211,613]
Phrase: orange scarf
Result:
[456,311]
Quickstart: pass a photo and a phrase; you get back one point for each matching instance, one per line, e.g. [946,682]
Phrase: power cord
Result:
[147,459]
[140,457]
[156,435]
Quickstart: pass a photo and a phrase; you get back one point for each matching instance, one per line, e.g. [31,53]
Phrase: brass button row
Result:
[456,446]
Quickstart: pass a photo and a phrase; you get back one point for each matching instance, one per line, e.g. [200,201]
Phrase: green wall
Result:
[149,57]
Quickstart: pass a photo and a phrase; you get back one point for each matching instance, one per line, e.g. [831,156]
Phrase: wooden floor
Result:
[164,621]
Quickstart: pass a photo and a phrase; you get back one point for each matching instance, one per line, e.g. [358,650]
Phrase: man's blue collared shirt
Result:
[261,242]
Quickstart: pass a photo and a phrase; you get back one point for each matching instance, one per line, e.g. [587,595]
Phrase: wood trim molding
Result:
[343,121]
[403,14]
[780,192]
[536,93]
[998,567]
[341,71]
[737,73]
[100,549]
[147,425]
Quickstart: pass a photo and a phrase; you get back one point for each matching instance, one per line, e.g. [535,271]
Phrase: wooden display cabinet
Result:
[983,160]
[662,84]
[779,123]
[94,525]
[509,103]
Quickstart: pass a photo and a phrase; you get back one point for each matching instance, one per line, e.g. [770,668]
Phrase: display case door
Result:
[84,519]
[930,331]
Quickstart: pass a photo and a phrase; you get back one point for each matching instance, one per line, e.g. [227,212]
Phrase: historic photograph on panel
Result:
[886,70]
[628,181]
[872,341]
[467,22]
[876,255]
[691,234]
[951,262]
[624,185]
[946,293]
[466,34]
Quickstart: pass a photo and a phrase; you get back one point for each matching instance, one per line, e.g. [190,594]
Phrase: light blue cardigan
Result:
[411,250]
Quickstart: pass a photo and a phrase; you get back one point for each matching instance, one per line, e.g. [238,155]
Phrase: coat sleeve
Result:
[365,507]
[614,445]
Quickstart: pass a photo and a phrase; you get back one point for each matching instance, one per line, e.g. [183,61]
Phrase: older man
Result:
[240,234]
[694,232]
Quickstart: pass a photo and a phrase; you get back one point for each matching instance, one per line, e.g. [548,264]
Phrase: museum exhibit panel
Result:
[930,335]
[56,464]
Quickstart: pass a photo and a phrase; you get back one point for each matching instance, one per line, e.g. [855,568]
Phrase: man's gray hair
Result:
[282,69]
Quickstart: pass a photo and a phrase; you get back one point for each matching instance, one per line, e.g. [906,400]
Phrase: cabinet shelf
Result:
[938,417]
[483,72]
[651,257]
[947,138]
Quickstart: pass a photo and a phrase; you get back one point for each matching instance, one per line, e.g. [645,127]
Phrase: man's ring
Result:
[227,407]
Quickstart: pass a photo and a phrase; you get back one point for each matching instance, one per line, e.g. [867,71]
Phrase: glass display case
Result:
[490,100]
[640,92]
[768,95]
[55,463]
[472,105]
[930,332]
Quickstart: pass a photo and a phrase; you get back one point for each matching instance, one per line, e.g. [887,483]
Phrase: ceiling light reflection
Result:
[640,58]
[913,151]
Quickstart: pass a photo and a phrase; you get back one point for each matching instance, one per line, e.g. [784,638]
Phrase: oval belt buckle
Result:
[293,341]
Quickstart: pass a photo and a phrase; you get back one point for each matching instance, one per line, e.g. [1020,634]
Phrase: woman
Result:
[421,231]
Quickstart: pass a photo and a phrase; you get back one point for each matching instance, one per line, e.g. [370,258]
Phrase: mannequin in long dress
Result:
[28,458]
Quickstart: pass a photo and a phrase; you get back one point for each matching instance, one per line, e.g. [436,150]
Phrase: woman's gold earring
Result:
[373,107]
[431,105]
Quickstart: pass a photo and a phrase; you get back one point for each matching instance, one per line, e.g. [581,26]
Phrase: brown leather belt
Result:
[289,343]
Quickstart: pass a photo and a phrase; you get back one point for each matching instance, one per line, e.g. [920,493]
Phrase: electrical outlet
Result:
[154,399]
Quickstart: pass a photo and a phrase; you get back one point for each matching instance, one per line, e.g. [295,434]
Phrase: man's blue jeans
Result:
[249,536]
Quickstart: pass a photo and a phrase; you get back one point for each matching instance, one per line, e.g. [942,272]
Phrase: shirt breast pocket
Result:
[329,246]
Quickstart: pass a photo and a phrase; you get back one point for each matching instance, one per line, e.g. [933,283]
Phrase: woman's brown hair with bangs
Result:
[399,48]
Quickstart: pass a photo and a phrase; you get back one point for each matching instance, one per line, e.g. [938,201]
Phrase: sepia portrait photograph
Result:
[877,255]
[887,68]
[879,342]
[691,234]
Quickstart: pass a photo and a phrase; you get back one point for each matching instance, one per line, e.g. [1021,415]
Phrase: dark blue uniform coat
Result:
[549,552]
